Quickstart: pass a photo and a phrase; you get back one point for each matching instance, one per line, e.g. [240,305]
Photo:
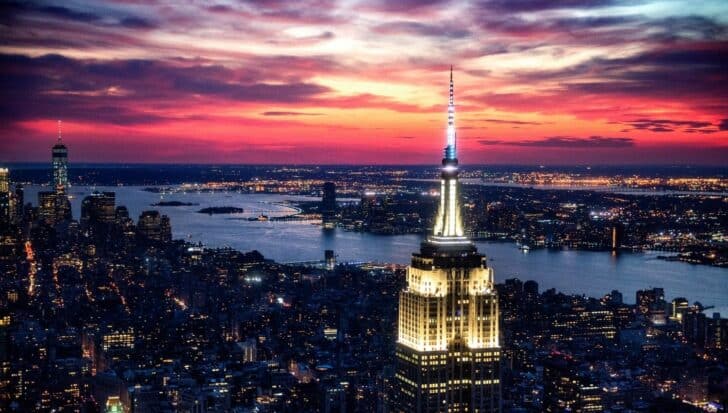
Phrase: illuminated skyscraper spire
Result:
[448,349]
[449,220]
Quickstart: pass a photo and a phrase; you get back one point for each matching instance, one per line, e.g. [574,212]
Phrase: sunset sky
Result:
[341,82]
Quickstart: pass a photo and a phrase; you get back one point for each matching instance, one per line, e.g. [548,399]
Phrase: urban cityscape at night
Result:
[364,206]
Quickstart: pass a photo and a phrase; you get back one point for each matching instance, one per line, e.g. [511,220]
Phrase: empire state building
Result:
[448,354]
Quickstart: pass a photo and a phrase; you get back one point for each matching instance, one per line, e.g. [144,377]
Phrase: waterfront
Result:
[608,189]
[582,272]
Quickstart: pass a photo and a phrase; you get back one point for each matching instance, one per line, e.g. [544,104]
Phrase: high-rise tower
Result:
[60,164]
[62,206]
[6,198]
[448,354]
[328,206]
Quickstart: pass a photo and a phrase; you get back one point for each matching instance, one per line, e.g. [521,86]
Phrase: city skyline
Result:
[588,82]
[102,311]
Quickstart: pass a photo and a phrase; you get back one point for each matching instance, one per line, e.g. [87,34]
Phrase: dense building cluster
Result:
[106,314]
[694,226]
[587,354]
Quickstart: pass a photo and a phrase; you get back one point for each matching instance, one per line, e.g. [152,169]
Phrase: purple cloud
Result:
[671,125]
[510,122]
[285,113]
[539,5]
[118,91]
[453,30]
[565,142]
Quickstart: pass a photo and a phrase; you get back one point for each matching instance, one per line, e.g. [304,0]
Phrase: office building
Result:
[98,208]
[328,205]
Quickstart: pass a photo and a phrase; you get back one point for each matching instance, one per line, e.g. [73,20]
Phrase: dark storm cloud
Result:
[702,131]
[510,122]
[595,30]
[289,113]
[111,91]
[520,26]
[308,11]
[258,92]
[670,125]
[220,8]
[686,27]
[539,5]
[647,123]
[585,23]
[17,11]
[564,142]
[407,6]
[12,10]
[300,15]
[69,14]
[529,33]
[673,74]
[137,23]
[423,29]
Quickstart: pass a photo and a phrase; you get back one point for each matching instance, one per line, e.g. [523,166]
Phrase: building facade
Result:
[448,352]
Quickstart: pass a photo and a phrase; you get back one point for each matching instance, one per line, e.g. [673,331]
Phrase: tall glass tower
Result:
[448,354]
[60,164]
[62,205]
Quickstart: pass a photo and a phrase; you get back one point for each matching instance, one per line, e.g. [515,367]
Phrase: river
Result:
[571,271]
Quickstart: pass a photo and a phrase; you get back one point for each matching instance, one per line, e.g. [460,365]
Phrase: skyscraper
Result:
[328,205]
[47,206]
[154,226]
[98,208]
[5,197]
[448,353]
[60,164]
[60,179]
[19,202]
[4,180]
